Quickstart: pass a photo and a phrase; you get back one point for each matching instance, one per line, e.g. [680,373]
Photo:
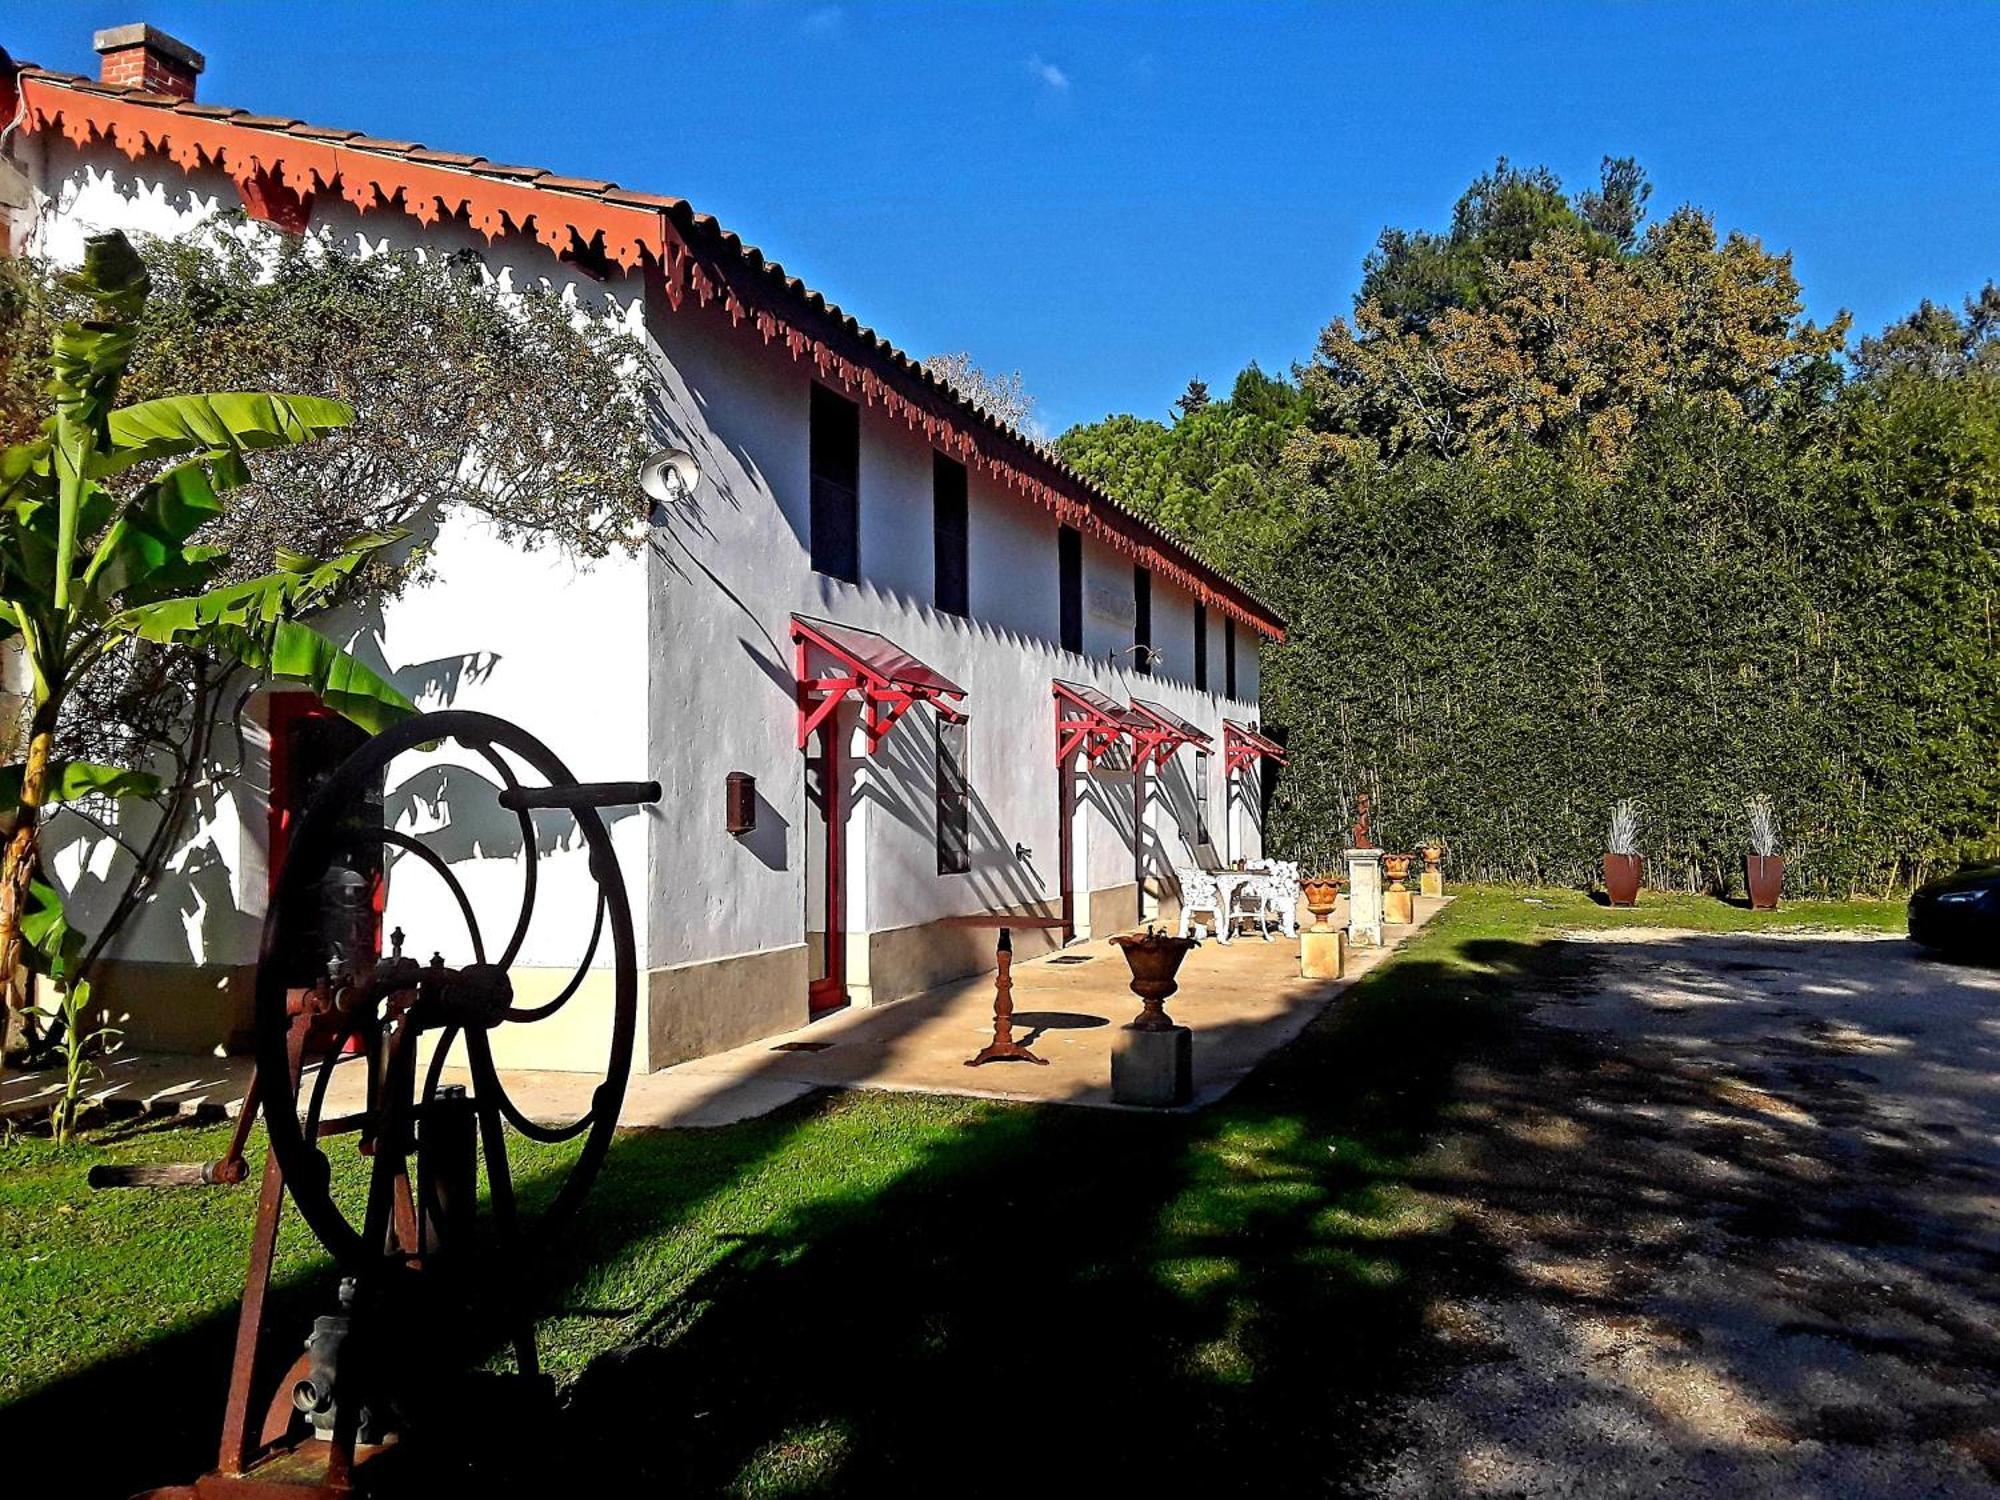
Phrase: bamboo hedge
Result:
[1497,651]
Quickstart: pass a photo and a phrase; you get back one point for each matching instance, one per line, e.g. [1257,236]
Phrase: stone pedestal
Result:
[1399,908]
[1322,955]
[1431,883]
[1364,898]
[1153,1068]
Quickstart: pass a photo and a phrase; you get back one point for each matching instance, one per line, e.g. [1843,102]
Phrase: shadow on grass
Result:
[1215,1303]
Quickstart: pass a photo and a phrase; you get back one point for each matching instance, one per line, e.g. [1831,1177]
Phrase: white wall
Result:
[528,635]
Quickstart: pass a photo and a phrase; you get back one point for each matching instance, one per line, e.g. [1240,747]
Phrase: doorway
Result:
[1072,854]
[826,911]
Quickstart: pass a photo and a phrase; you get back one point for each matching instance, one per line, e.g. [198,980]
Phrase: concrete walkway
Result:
[1242,1000]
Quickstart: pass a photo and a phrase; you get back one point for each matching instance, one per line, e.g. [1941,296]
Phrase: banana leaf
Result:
[71,780]
[223,422]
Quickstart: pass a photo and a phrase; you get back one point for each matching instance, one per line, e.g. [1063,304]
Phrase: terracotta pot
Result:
[1621,878]
[1433,856]
[1154,957]
[1396,866]
[1322,895]
[1765,875]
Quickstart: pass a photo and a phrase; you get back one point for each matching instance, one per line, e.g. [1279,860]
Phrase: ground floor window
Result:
[954,797]
[1201,837]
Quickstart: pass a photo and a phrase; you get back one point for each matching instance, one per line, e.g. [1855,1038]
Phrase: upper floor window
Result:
[1229,658]
[1069,557]
[954,798]
[1201,645]
[1142,619]
[948,535]
[836,485]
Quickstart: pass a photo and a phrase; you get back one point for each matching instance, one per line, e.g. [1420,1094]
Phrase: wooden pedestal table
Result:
[1003,1047]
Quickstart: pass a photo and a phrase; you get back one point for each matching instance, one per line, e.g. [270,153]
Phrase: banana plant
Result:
[99,520]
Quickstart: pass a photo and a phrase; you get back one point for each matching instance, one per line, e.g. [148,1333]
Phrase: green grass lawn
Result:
[892,1293]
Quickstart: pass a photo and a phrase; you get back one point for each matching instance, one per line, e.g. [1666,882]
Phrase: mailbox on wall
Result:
[739,803]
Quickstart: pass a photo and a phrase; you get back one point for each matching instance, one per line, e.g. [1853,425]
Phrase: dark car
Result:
[1960,914]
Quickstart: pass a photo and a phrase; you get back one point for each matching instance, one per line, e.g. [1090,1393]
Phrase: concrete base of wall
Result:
[907,961]
[695,1009]
[1114,909]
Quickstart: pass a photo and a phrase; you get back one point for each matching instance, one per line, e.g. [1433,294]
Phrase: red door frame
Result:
[1066,843]
[830,991]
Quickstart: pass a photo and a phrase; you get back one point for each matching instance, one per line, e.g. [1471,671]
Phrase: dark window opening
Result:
[836,485]
[949,535]
[1201,837]
[1201,645]
[1142,618]
[954,799]
[1229,658]
[1069,553]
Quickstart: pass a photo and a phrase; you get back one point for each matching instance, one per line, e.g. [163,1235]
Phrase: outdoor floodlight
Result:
[669,475]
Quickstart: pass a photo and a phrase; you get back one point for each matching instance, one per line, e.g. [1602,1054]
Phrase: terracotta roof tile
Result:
[497,169]
[386,148]
[446,158]
[589,185]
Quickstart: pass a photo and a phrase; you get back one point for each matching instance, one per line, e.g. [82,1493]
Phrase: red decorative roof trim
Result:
[281,166]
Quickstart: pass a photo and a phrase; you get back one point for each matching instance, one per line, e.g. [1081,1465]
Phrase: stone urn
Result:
[1155,957]
[1398,905]
[1430,880]
[1322,894]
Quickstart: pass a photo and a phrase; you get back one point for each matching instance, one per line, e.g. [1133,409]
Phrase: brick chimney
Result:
[143,57]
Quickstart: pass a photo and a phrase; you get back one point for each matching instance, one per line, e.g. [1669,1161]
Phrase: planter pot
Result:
[1154,958]
[1621,878]
[1765,875]
[1321,898]
[1396,866]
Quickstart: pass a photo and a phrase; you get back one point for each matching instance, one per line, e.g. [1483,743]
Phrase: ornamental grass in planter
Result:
[1763,869]
[1623,864]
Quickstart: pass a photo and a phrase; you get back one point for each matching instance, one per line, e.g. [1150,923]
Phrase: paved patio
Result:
[1242,1000]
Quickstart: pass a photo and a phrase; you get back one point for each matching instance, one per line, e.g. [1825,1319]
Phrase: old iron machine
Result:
[395,1387]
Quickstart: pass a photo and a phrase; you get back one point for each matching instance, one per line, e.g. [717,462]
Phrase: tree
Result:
[1571,347]
[1193,399]
[1413,275]
[1213,478]
[1935,341]
[1004,398]
[99,555]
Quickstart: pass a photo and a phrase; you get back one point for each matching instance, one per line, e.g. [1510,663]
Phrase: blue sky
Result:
[1115,197]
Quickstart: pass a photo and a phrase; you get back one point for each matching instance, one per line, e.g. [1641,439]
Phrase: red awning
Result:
[1242,745]
[1167,731]
[1091,721]
[885,677]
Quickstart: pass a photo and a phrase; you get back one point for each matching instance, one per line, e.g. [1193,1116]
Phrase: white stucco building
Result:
[842,490]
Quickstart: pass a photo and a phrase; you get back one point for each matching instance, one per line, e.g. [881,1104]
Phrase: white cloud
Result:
[1048,74]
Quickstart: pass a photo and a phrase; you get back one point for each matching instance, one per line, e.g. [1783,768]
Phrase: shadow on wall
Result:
[904,787]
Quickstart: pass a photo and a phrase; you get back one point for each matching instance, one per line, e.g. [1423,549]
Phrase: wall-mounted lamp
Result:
[669,476]
[739,803]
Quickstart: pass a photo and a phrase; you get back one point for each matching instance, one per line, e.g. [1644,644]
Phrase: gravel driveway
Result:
[1731,1210]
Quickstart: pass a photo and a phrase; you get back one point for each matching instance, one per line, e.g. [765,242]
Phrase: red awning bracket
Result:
[1166,731]
[1243,747]
[886,679]
[1092,722]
